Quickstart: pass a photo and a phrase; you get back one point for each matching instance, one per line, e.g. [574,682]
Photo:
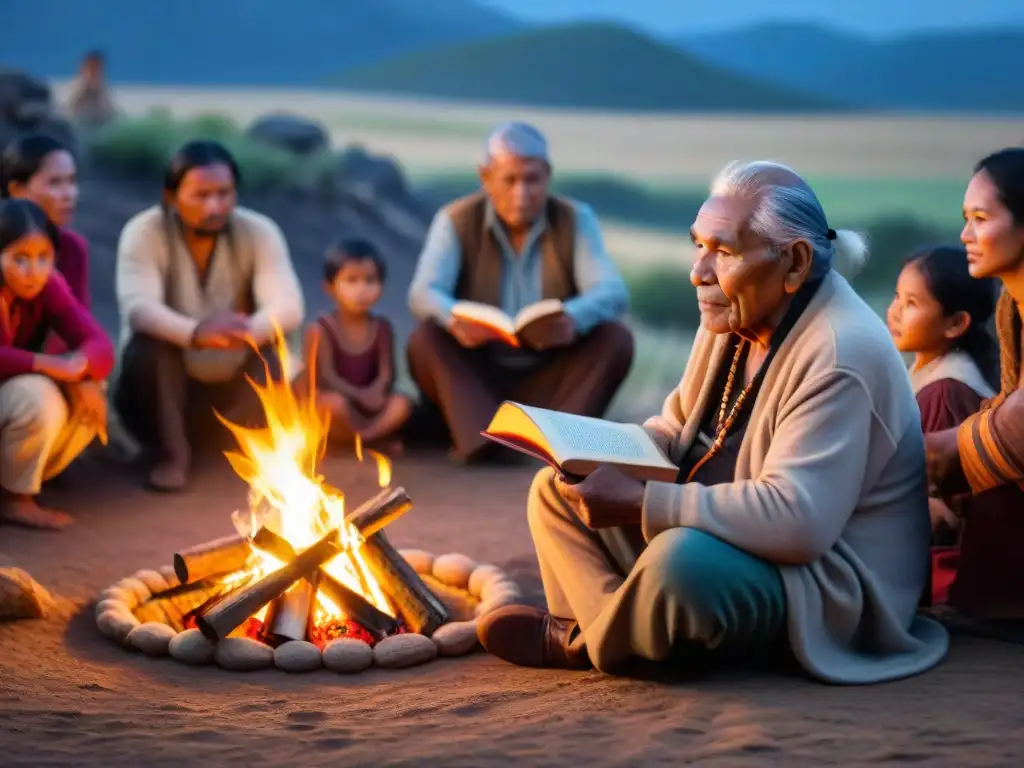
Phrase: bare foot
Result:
[168,477]
[21,509]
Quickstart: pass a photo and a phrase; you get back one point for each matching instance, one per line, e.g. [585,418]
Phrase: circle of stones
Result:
[488,584]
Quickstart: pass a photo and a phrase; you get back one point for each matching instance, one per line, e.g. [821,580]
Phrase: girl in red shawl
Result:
[51,405]
[939,315]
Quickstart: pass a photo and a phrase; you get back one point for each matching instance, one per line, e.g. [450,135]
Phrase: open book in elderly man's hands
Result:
[508,329]
[577,445]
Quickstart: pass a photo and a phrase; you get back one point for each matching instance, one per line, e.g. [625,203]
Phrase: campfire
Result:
[302,573]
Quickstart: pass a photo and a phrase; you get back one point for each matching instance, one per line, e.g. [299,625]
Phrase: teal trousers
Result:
[684,595]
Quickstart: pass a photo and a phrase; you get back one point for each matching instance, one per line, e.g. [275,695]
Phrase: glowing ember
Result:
[289,497]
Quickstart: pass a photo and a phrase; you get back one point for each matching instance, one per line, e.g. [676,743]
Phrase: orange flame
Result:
[383,463]
[286,493]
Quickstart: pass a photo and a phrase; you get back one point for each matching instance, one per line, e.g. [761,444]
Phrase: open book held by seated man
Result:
[200,284]
[510,247]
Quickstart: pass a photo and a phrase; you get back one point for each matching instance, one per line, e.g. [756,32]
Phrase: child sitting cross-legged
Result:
[350,352]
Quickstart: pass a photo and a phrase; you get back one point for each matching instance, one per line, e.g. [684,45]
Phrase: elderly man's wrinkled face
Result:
[517,187]
[742,282]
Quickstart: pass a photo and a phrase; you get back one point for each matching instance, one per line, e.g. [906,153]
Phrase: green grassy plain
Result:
[646,176]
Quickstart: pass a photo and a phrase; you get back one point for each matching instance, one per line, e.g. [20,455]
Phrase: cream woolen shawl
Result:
[830,485]
[159,292]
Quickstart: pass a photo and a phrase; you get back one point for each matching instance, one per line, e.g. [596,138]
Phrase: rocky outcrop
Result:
[291,132]
[26,106]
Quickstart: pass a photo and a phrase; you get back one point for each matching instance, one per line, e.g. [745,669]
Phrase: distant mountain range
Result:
[234,42]
[589,65]
[458,48]
[968,70]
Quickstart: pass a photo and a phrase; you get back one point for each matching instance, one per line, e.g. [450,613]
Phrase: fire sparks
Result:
[286,493]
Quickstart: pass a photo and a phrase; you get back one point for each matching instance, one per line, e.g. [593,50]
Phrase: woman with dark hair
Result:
[51,406]
[42,169]
[200,280]
[984,455]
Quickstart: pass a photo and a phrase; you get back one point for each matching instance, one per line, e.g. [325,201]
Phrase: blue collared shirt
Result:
[602,293]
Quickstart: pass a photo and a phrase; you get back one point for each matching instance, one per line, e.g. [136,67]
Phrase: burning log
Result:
[221,619]
[352,604]
[224,555]
[419,608]
[173,606]
[383,509]
[291,615]
[218,622]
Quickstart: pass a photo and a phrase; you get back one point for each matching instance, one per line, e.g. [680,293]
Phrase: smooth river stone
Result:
[21,597]
[110,605]
[297,656]
[499,598]
[420,560]
[455,639]
[453,570]
[167,571]
[124,596]
[136,587]
[152,638]
[399,651]
[152,579]
[500,588]
[482,577]
[347,655]
[191,647]
[243,654]
[116,624]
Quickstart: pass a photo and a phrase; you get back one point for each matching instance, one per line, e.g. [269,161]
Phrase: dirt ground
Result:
[70,697]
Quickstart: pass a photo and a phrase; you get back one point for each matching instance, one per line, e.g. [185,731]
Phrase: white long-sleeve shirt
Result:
[159,292]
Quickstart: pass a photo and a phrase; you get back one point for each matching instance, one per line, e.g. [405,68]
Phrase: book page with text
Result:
[574,436]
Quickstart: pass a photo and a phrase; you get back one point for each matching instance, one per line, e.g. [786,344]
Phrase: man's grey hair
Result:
[786,209]
[517,139]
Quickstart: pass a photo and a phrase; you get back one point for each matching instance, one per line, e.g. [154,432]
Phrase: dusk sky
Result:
[872,17]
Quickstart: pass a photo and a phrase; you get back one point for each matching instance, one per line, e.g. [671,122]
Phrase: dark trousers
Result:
[169,413]
[468,385]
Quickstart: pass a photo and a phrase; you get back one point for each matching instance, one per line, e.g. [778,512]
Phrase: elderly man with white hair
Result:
[798,527]
[510,246]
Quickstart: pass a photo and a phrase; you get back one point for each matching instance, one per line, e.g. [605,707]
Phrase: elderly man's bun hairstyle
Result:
[787,209]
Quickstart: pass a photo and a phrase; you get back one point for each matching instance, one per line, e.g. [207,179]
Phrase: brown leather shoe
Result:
[530,637]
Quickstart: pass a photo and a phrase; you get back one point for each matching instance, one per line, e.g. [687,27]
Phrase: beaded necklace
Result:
[725,422]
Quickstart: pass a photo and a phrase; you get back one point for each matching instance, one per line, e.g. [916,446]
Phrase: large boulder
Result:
[291,132]
[375,176]
[23,99]
[21,597]
[26,106]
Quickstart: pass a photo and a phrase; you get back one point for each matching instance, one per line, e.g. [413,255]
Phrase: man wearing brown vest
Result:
[511,245]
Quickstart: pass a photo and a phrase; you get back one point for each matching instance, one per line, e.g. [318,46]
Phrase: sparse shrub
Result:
[658,366]
[141,146]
